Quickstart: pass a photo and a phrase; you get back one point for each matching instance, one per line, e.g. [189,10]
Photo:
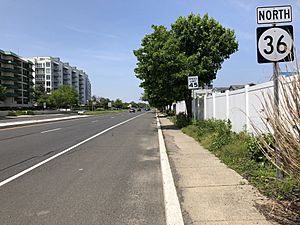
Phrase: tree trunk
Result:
[188,103]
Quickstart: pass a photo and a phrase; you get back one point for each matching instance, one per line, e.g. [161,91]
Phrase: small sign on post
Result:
[193,82]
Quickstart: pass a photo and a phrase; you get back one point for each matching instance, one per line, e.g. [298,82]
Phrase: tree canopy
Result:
[194,46]
[64,97]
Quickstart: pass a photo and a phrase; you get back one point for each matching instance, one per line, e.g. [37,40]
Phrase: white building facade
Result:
[50,73]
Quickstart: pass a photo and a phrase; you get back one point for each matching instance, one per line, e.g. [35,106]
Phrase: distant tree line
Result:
[67,97]
[103,103]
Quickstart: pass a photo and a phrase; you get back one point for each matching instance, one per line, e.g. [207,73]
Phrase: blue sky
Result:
[99,36]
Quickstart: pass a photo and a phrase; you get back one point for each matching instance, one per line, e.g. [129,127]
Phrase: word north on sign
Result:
[274,14]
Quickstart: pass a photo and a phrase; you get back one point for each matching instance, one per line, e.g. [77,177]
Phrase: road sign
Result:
[193,82]
[274,14]
[275,44]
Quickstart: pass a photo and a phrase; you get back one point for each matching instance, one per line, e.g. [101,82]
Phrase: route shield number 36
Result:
[275,44]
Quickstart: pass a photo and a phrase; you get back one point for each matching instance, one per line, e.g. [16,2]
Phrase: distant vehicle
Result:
[81,112]
[132,110]
[64,110]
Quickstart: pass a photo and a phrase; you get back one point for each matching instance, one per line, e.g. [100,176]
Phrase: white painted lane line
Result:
[5,124]
[64,151]
[94,121]
[172,205]
[47,131]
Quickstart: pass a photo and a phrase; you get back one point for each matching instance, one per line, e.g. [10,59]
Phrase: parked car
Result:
[132,110]
[139,110]
[81,112]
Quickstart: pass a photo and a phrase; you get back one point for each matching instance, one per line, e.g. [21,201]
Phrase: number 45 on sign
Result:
[193,82]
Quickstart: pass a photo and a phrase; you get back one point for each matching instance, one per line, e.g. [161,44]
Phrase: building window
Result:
[48,83]
[47,64]
[48,77]
[38,65]
[48,70]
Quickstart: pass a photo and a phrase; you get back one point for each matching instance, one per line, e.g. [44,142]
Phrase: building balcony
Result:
[14,63]
[30,77]
[12,86]
[11,94]
[3,61]
[40,79]
[9,78]
[7,70]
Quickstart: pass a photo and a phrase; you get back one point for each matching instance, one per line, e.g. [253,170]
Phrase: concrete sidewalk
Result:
[210,193]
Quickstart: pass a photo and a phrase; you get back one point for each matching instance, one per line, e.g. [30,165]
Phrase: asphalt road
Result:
[114,178]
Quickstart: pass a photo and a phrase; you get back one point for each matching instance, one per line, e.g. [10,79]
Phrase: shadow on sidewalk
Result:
[162,116]
[169,127]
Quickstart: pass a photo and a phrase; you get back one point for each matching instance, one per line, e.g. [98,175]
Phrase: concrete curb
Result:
[28,122]
[172,205]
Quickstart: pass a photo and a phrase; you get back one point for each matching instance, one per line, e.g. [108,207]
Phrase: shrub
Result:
[24,112]
[170,112]
[12,113]
[181,120]
[219,129]
[253,146]
[223,134]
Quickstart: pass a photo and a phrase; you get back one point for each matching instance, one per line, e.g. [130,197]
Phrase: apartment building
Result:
[51,72]
[88,88]
[16,76]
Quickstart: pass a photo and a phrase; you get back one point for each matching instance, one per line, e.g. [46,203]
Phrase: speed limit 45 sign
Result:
[275,44]
[193,82]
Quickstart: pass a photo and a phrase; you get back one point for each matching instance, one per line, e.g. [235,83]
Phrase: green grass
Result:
[238,152]
[20,112]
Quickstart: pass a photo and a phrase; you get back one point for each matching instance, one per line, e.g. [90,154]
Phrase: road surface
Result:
[112,178]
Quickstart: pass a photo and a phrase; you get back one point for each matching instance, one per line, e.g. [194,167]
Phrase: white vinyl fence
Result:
[242,107]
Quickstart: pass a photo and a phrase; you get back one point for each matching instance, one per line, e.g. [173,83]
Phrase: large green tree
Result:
[65,97]
[204,44]
[194,46]
[103,102]
[40,96]
[118,104]
[156,66]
